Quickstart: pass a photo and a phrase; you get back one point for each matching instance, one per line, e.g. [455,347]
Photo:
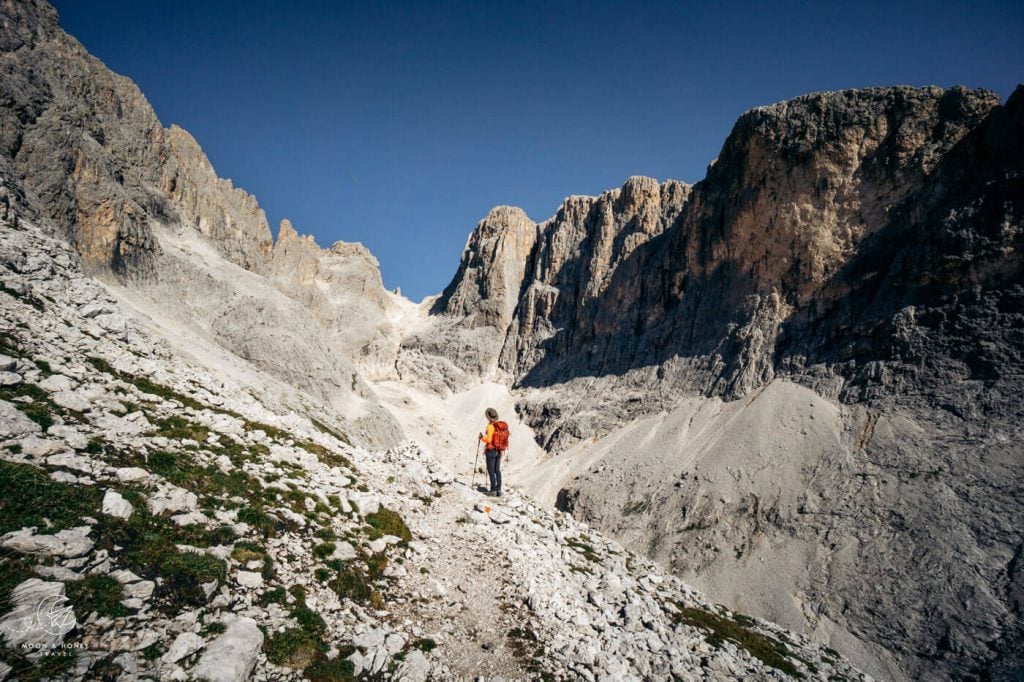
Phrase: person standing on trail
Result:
[495,442]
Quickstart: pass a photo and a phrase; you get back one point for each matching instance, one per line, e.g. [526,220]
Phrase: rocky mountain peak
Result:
[485,289]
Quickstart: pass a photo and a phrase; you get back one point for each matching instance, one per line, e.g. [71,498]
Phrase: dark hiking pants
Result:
[494,468]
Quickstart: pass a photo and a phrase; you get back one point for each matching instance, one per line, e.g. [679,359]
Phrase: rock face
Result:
[82,153]
[90,148]
[863,244]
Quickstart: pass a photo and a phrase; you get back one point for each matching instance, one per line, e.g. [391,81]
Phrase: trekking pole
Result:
[476,459]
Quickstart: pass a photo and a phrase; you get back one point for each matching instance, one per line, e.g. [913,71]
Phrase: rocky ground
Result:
[196,534]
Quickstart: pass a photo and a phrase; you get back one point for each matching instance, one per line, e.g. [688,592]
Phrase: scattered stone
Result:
[232,656]
[183,646]
[132,475]
[115,505]
[343,551]
[248,578]
[73,542]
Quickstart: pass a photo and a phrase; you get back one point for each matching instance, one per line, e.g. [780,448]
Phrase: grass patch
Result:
[28,495]
[583,548]
[153,651]
[323,428]
[214,628]
[426,645]
[145,385]
[388,522]
[325,550]
[99,593]
[244,552]
[339,669]
[274,596]
[526,647]
[355,580]
[53,665]
[14,570]
[179,428]
[292,648]
[768,650]
[41,409]
[147,546]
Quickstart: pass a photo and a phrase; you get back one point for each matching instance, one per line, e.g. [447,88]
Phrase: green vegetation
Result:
[274,596]
[51,666]
[426,645]
[28,495]
[179,428]
[355,579]
[325,550]
[244,552]
[41,409]
[14,570]
[768,650]
[292,648]
[153,651]
[388,522]
[44,367]
[99,593]
[322,428]
[339,669]
[527,648]
[583,548]
[146,545]
[214,628]
[326,534]
[303,646]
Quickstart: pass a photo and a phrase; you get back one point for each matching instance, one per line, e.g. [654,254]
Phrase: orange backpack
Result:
[499,441]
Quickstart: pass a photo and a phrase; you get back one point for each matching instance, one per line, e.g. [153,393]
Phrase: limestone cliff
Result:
[83,153]
[86,142]
[864,244]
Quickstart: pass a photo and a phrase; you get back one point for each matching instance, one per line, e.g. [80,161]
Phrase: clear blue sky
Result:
[400,124]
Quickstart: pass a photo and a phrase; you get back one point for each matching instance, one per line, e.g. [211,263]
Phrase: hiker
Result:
[495,443]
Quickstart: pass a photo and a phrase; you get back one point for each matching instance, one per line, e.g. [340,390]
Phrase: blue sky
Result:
[400,124]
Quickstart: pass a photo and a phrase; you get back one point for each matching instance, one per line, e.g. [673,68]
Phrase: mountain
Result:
[143,206]
[794,384]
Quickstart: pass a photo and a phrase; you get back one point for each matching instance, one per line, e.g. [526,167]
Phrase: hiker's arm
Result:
[490,434]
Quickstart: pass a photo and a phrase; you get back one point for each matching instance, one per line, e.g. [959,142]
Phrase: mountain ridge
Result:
[863,244]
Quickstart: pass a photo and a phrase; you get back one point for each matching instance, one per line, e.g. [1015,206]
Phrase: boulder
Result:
[232,656]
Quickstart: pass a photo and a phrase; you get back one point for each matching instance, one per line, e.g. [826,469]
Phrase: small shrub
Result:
[339,669]
[426,645]
[292,648]
[214,628]
[274,596]
[244,552]
[325,550]
[99,593]
[388,522]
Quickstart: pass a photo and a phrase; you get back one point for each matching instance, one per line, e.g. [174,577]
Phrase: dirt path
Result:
[459,564]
